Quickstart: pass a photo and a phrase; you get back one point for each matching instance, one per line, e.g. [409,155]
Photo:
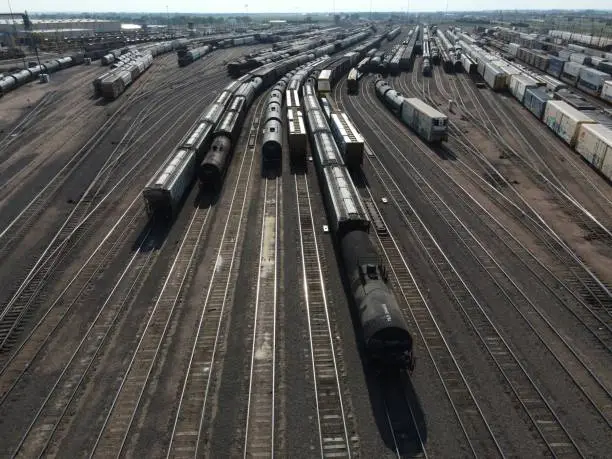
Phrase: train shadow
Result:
[157,229]
[298,166]
[444,152]
[396,407]
[101,101]
[271,171]
[152,235]
[206,198]
[359,178]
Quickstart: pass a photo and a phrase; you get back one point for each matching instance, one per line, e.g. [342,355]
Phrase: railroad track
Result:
[260,421]
[331,416]
[576,276]
[25,219]
[193,419]
[591,312]
[26,121]
[563,351]
[539,167]
[77,225]
[555,437]
[54,417]
[480,434]
[113,434]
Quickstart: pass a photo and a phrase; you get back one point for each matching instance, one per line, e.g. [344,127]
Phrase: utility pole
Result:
[15,34]
[168,19]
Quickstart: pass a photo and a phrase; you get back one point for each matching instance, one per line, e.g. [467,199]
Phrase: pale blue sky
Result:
[289,5]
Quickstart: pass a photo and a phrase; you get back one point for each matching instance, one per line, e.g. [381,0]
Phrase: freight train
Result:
[430,124]
[17,79]
[388,342]
[188,56]
[207,148]
[578,124]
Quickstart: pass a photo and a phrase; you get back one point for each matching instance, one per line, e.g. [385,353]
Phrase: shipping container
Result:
[594,143]
[518,85]
[564,120]
[605,67]
[572,69]
[535,101]
[592,80]
[579,58]
[555,66]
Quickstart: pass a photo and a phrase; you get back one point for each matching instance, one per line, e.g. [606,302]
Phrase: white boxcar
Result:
[513,48]
[564,120]
[518,85]
[594,143]
[430,124]
[592,80]
[606,91]
[580,58]
[348,138]
[323,81]
[495,77]
[606,167]
[292,99]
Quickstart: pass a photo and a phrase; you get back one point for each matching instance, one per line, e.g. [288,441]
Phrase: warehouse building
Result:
[14,29]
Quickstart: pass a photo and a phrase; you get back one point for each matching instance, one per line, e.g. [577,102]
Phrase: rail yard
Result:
[373,240]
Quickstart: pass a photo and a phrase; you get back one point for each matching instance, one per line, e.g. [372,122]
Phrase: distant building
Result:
[55,27]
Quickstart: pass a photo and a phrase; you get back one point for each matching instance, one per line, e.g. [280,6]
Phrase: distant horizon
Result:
[243,13]
[242,7]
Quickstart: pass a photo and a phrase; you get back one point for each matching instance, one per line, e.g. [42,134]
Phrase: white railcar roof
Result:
[344,196]
[325,74]
[169,170]
[602,132]
[568,110]
[344,126]
[296,124]
[427,109]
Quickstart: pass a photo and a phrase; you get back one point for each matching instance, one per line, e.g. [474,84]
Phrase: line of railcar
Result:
[590,74]
[124,72]
[430,124]
[17,79]
[207,148]
[329,72]
[188,56]
[352,81]
[388,341]
[327,43]
[128,67]
[272,142]
[426,54]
